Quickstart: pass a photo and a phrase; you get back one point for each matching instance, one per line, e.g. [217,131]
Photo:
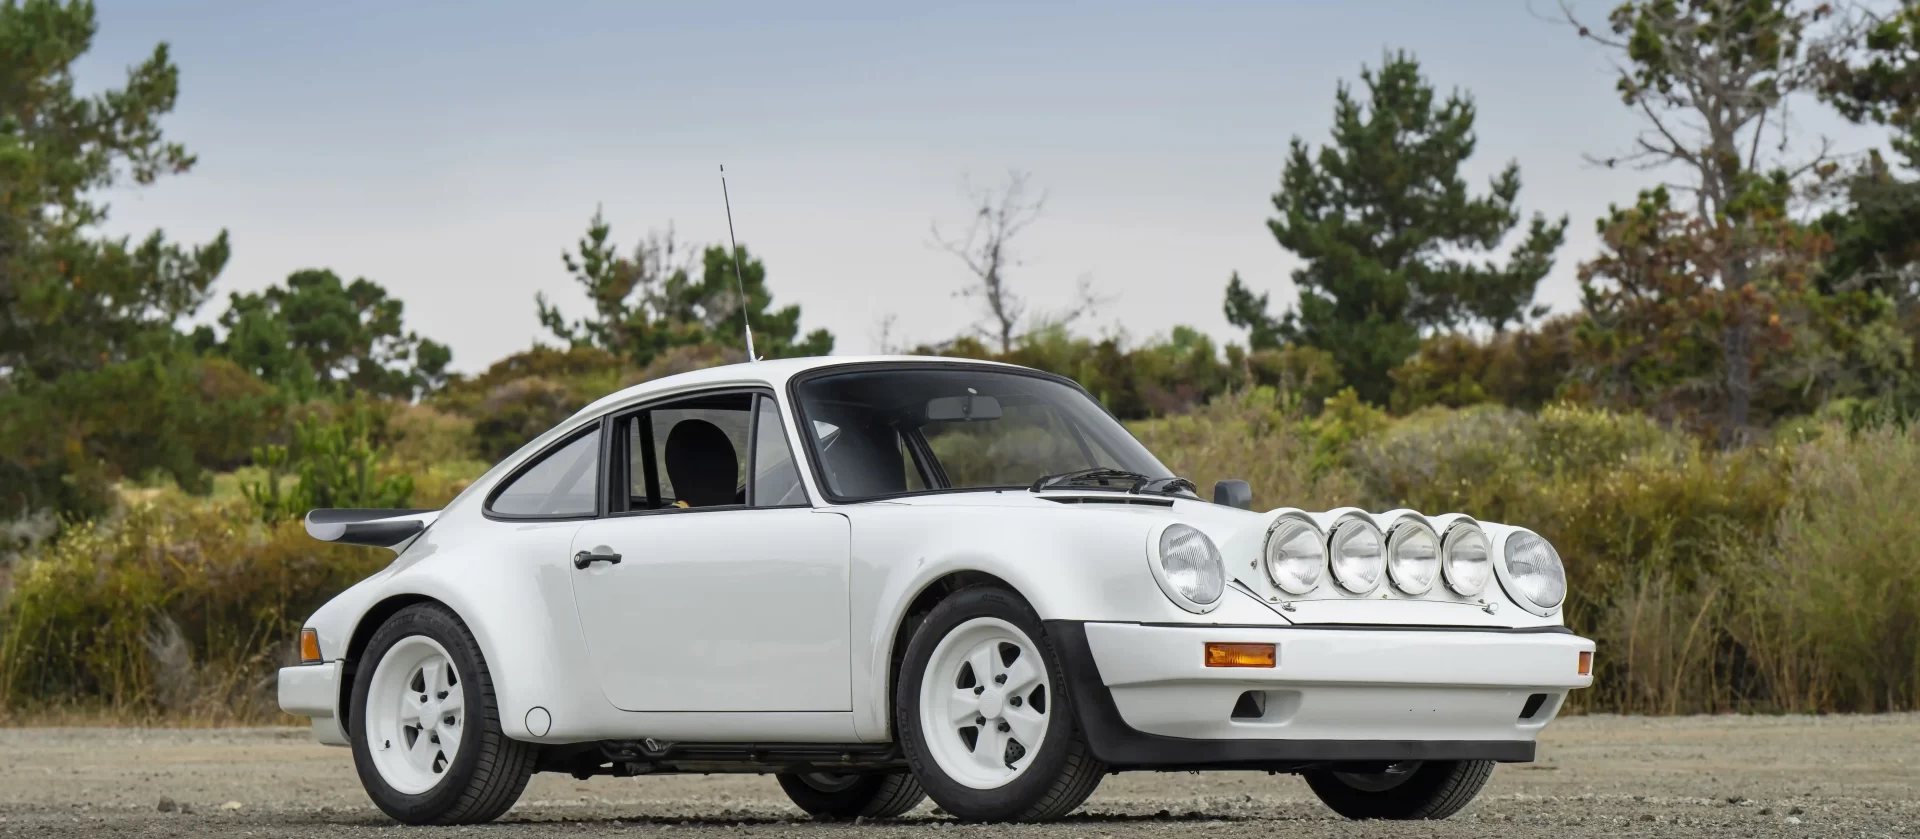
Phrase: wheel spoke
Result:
[1028,726]
[964,708]
[410,708]
[984,662]
[422,752]
[1021,675]
[433,672]
[990,748]
[449,738]
[454,703]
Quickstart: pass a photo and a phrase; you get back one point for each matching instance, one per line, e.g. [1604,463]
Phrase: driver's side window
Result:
[698,453]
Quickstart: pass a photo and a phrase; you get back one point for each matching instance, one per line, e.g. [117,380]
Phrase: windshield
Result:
[882,432]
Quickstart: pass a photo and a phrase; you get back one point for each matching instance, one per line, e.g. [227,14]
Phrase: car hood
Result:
[1220,523]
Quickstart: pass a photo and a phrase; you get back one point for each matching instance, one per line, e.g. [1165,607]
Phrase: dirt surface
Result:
[1597,777]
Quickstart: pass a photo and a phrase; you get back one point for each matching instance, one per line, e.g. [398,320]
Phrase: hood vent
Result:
[1110,499]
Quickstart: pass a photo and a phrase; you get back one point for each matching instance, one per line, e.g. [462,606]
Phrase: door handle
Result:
[586,558]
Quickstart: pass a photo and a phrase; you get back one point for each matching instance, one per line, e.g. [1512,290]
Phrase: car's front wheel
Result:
[1433,789]
[873,795]
[983,714]
[427,741]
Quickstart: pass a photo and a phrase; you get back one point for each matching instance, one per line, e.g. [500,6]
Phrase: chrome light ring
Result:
[1295,554]
[1465,574]
[1356,553]
[1531,571]
[1187,566]
[1413,555]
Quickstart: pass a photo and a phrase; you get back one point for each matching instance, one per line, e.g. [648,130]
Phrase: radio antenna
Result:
[745,318]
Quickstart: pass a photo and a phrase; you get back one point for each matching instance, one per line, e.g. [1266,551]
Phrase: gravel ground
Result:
[1598,776]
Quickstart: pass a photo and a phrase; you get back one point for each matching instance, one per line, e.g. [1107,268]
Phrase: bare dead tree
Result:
[998,216]
[884,334]
[1714,82]
[1715,90]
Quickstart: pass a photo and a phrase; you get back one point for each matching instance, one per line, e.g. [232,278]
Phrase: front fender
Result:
[1079,565]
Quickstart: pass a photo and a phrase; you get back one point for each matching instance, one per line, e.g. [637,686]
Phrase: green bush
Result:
[1256,436]
[64,442]
[1524,368]
[177,607]
[1831,615]
[336,465]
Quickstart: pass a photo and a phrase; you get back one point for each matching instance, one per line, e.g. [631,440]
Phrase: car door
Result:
[729,592]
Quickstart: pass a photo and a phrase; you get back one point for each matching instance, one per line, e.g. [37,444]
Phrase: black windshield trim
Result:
[807,436]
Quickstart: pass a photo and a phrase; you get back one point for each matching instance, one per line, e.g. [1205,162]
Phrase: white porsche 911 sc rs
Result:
[889,579]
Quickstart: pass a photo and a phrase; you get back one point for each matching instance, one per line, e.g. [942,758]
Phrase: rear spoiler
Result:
[374,528]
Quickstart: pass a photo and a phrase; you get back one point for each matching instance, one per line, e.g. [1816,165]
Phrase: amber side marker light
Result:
[1240,655]
[1586,664]
[309,647]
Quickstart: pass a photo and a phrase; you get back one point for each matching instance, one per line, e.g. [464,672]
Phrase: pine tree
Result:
[1393,242]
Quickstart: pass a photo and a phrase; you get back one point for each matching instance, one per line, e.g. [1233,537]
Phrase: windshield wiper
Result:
[1167,486]
[1097,473]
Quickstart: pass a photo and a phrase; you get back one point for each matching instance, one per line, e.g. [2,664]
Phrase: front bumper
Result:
[313,690]
[1146,700]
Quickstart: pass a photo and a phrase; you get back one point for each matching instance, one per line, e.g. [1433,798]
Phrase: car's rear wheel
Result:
[1433,789]
[427,741]
[983,714]
[873,795]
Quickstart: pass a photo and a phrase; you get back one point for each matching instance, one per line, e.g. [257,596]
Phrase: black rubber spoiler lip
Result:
[371,527]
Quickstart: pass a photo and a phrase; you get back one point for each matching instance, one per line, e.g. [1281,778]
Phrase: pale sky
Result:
[452,151]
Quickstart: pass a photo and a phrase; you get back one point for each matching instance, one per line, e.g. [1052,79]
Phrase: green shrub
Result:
[1831,618]
[418,436]
[1255,436]
[178,607]
[1641,514]
[1525,368]
[64,442]
[337,465]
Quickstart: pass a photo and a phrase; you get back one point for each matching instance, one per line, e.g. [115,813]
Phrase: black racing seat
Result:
[865,462]
[702,464]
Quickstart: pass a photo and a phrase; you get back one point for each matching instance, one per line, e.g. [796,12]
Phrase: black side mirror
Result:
[1233,493]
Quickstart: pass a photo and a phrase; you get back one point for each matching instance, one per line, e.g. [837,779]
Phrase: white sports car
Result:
[889,579]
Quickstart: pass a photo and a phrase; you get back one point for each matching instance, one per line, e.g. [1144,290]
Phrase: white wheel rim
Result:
[415,714]
[984,703]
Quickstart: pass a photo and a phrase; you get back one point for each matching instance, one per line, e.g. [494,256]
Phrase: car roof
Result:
[773,373]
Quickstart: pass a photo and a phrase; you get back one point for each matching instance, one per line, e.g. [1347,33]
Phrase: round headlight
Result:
[1413,557]
[1189,568]
[1358,557]
[1534,569]
[1465,559]
[1296,555]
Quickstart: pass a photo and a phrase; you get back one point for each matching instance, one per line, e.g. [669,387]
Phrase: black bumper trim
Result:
[1122,746]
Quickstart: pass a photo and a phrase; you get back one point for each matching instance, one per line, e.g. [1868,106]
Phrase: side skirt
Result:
[626,758]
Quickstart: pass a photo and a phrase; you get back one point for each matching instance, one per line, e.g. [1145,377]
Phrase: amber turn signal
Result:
[1241,655]
[1586,663]
[309,647]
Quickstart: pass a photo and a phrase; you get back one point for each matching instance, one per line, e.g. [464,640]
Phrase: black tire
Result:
[1435,789]
[1063,772]
[872,795]
[487,775]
